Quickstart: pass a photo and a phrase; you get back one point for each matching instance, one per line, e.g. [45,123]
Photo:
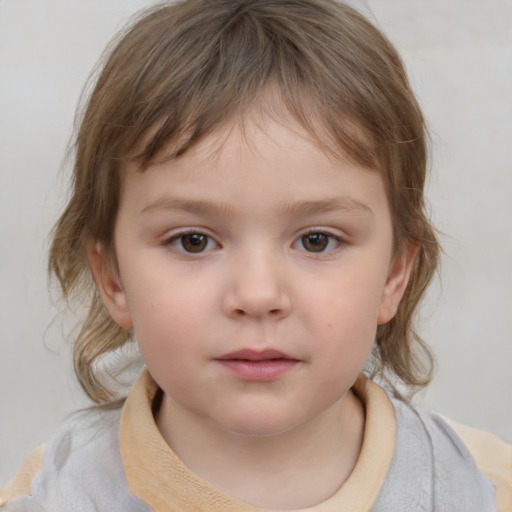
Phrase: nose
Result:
[257,289]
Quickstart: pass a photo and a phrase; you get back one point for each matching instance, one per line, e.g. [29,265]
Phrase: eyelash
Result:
[204,242]
[329,238]
[178,239]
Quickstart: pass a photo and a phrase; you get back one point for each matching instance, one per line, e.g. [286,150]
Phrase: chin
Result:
[264,424]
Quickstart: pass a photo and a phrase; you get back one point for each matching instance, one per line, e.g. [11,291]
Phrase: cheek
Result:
[169,342]
[349,338]
[349,304]
[345,324]
[168,318]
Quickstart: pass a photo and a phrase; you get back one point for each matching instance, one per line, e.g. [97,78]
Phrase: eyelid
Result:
[176,234]
[332,232]
[335,234]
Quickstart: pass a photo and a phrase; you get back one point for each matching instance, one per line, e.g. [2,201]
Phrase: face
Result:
[254,271]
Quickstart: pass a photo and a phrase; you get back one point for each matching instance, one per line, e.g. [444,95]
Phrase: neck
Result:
[295,469]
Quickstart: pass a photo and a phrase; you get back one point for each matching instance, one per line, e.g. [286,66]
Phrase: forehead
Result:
[336,134]
[255,160]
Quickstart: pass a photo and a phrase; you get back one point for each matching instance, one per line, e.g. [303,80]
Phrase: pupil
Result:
[315,242]
[194,242]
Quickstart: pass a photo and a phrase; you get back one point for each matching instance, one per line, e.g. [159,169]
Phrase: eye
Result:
[193,242]
[317,241]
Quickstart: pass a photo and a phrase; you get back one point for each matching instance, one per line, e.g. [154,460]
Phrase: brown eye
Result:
[315,242]
[192,242]
[319,242]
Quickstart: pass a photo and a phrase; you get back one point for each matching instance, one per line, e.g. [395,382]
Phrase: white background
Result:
[459,55]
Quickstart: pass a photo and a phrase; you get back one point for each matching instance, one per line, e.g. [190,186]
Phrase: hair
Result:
[179,71]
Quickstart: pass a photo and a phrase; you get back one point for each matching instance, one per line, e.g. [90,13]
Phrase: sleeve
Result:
[21,484]
[493,456]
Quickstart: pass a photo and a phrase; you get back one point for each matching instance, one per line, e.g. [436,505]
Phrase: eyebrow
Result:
[346,204]
[298,209]
[187,205]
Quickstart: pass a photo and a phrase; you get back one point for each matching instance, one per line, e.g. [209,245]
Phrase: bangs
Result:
[194,80]
[339,136]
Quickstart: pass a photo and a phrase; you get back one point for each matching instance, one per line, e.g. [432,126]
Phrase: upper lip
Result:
[248,354]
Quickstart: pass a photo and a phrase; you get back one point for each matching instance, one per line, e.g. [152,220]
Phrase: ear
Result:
[396,283]
[106,277]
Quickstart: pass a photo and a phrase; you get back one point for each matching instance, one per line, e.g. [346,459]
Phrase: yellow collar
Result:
[156,475]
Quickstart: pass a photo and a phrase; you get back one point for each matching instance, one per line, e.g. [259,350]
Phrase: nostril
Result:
[258,302]
[272,312]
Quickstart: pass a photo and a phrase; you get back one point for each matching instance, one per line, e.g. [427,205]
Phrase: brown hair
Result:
[180,70]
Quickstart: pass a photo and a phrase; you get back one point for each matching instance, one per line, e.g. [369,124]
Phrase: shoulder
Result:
[82,433]
[81,466]
[22,481]
[432,469]
[494,458]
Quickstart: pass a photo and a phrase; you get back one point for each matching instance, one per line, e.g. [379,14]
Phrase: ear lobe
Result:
[109,286]
[396,283]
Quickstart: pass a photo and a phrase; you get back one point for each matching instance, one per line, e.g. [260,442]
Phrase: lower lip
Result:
[258,371]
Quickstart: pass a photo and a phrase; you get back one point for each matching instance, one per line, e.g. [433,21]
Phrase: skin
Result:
[293,252]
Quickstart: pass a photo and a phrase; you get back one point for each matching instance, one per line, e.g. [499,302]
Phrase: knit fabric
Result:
[410,460]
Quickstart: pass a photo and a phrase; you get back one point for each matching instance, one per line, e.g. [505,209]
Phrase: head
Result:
[182,72]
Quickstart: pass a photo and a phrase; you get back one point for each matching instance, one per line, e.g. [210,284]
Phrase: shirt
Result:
[411,459]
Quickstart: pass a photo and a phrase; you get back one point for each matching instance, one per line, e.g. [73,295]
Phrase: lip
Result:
[257,365]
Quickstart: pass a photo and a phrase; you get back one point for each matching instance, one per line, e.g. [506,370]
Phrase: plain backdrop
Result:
[459,56]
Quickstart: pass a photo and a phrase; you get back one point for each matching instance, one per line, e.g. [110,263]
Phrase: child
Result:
[248,206]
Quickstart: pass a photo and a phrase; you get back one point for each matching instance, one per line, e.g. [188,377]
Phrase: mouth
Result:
[255,355]
[257,365]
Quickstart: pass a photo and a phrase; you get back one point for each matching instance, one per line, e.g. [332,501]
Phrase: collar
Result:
[156,475]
